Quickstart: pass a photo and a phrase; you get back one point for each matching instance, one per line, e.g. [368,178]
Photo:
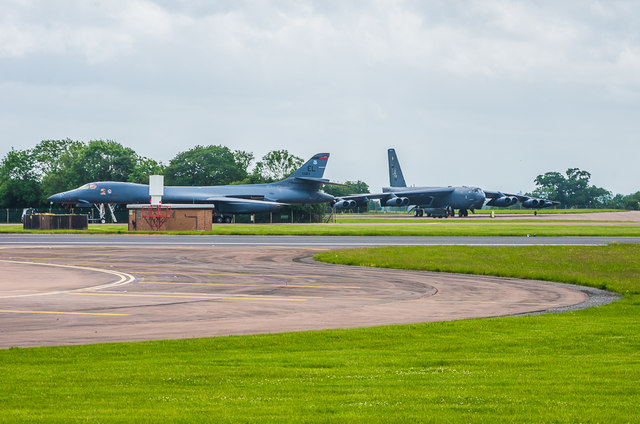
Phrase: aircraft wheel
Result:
[227,220]
[416,213]
[421,213]
[103,221]
[217,220]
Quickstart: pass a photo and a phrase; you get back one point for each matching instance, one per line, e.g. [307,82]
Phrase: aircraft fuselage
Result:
[115,192]
[459,197]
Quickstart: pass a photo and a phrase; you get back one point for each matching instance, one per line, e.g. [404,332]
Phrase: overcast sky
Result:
[484,93]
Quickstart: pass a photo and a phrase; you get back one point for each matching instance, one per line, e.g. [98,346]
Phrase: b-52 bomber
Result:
[302,187]
[437,201]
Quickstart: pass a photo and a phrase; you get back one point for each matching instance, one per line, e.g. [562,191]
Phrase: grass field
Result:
[616,267]
[502,211]
[581,366]
[439,229]
[417,221]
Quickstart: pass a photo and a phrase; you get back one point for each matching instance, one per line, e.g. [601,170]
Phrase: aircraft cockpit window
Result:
[84,187]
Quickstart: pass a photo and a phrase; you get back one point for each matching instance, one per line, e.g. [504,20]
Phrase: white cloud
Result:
[517,78]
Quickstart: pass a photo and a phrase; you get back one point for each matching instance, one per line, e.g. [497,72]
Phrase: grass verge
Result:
[502,211]
[423,221]
[444,229]
[573,367]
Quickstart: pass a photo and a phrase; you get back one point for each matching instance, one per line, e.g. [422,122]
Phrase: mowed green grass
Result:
[614,267]
[417,221]
[440,229]
[581,366]
[500,211]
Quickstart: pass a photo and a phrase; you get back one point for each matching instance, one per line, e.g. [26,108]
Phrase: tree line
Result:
[28,177]
[574,191]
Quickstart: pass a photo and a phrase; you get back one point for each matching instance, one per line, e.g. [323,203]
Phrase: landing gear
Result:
[463,212]
[103,212]
[418,213]
[219,219]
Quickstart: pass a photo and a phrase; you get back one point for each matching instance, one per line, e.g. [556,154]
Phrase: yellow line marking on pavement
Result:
[124,278]
[250,285]
[191,297]
[62,313]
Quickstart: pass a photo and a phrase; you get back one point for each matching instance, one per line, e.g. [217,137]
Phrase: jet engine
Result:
[345,204]
[534,203]
[397,201]
[503,201]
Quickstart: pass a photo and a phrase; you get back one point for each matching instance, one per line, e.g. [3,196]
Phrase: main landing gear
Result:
[220,219]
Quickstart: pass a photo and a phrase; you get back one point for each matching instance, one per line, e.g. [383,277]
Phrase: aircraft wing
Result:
[323,181]
[419,196]
[226,204]
[407,192]
[498,194]
[226,199]
[500,199]
[423,191]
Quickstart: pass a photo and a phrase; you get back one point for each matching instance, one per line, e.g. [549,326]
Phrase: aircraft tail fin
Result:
[313,168]
[396,179]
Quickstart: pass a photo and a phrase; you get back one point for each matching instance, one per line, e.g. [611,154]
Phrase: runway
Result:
[301,241]
[63,290]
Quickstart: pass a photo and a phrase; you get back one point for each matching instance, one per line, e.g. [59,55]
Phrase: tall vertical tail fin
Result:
[313,168]
[396,179]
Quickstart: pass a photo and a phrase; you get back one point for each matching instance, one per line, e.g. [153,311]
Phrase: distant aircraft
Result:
[437,201]
[302,187]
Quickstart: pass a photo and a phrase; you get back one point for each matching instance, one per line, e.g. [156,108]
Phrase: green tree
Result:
[102,160]
[350,187]
[50,154]
[631,201]
[68,164]
[19,180]
[210,165]
[571,191]
[143,168]
[55,159]
[276,165]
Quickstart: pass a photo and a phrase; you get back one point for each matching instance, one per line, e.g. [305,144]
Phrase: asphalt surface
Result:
[302,241]
[76,289]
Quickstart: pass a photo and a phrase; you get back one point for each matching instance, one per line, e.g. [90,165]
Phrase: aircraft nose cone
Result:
[56,198]
[480,198]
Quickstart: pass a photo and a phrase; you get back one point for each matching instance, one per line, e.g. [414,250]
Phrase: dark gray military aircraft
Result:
[302,187]
[437,201]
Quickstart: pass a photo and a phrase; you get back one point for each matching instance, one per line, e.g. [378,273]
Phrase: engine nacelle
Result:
[503,201]
[397,201]
[533,203]
[345,204]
